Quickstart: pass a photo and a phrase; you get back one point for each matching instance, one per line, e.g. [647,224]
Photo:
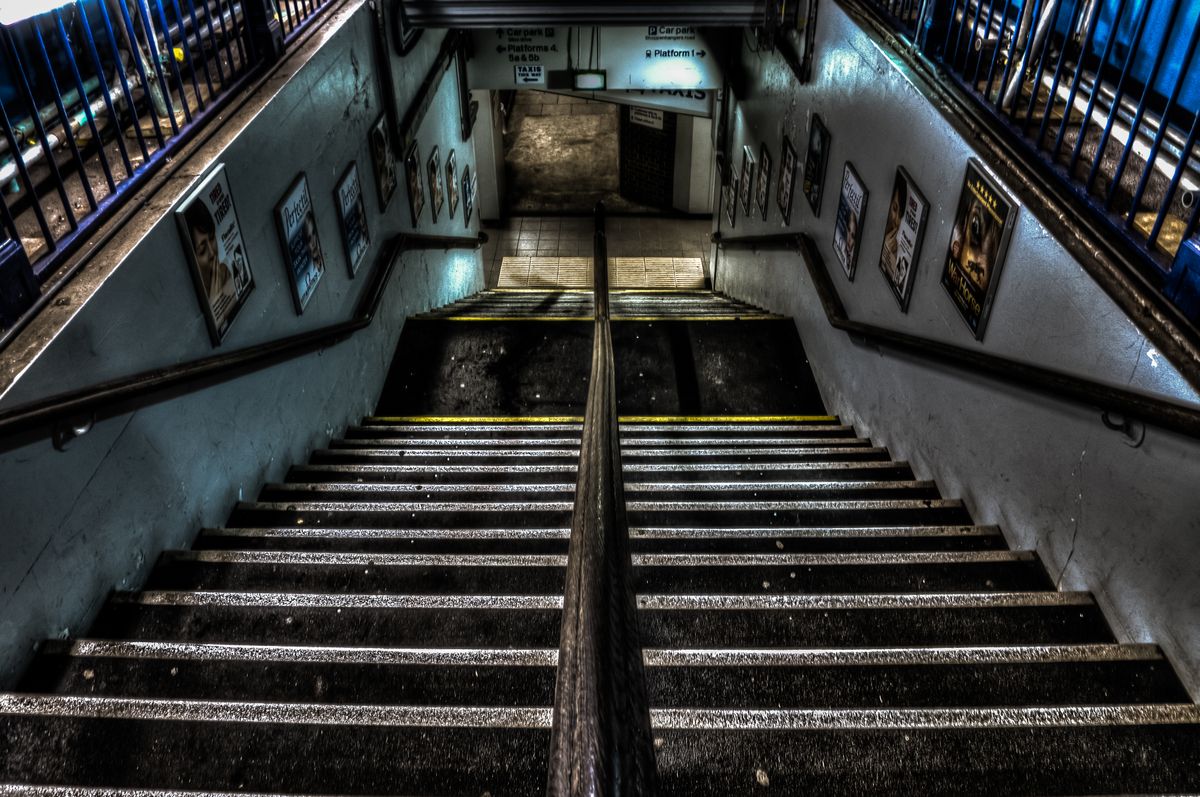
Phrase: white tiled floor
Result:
[628,236]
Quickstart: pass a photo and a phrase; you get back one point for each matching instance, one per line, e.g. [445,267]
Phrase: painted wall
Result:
[77,524]
[1121,521]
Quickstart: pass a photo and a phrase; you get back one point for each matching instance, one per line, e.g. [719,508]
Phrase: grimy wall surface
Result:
[78,524]
[1121,521]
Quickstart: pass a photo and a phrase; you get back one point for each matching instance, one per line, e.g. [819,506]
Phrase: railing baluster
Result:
[1095,92]
[14,150]
[105,92]
[1115,106]
[210,45]
[130,103]
[170,56]
[64,118]
[35,116]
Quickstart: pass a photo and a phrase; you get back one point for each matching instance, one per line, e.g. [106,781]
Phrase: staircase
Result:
[814,618]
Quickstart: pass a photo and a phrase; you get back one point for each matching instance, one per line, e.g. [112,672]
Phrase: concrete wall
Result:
[1118,520]
[694,166]
[77,524]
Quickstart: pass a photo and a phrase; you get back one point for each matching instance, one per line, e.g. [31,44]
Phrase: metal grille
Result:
[1107,92]
[95,94]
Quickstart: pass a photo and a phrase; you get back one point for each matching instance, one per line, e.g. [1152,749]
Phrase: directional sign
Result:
[530,75]
[694,102]
[669,57]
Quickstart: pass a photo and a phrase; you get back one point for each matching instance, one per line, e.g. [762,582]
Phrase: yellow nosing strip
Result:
[622,419]
[515,318]
[725,418]
[476,418]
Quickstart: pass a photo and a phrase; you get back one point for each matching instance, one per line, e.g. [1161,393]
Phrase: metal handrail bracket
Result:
[600,737]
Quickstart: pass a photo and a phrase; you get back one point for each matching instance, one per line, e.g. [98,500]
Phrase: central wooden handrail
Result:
[600,739]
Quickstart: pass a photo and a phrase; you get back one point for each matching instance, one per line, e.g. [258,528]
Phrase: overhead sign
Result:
[646,117]
[531,75]
[693,102]
[661,57]
[658,57]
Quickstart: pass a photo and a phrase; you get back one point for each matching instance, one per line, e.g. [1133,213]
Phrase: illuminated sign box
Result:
[591,81]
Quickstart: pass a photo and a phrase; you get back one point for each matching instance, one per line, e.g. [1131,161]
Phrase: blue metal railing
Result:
[1106,92]
[96,94]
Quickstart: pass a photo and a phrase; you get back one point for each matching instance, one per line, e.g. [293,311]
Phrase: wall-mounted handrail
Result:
[35,419]
[1158,412]
[600,738]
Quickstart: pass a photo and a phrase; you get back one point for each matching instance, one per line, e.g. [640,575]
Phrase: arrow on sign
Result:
[700,53]
[499,48]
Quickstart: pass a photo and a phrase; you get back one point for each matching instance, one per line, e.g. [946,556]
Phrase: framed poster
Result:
[452,183]
[847,227]
[384,162]
[747,179]
[412,177]
[764,179]
[902,235]
[730,198]
[815,163]
[468,193]
[301,244]
[436,193]
[787,181]
[352,216]
[212,240]
[978,243]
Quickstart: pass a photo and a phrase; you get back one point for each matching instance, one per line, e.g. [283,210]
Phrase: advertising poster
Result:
[730,198]
[902,235]
[384,162]
[814,164]
[746,184]
[764,180]
[436,193]
[412,177]
[468,192]
[787,181]
[978,242]
[352,215]
[452,183]
[212,239]
[301,245]
[847,227]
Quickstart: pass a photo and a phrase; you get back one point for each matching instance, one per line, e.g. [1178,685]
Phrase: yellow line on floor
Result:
[513,318]
[475,418]
[696,317]
[725,418]
[538,290]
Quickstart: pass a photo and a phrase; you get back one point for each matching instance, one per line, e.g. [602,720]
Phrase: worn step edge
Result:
[569,487]
[625,452]
[653,657]
[560,560]
[540,718]
[391,507]
[672,533]
[294,600]
[639,467]
[826,532]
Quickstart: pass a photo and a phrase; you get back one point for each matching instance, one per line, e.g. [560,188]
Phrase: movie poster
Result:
[978,241]
[212,239]
[747,180]
[902,235]
[352,215]
[437,194]
[787,181]
[469,189]
[384,162]
[764,180]
[730,198]
[451,184]
[814,164]
[847,227]
[301,244]
[412,177]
